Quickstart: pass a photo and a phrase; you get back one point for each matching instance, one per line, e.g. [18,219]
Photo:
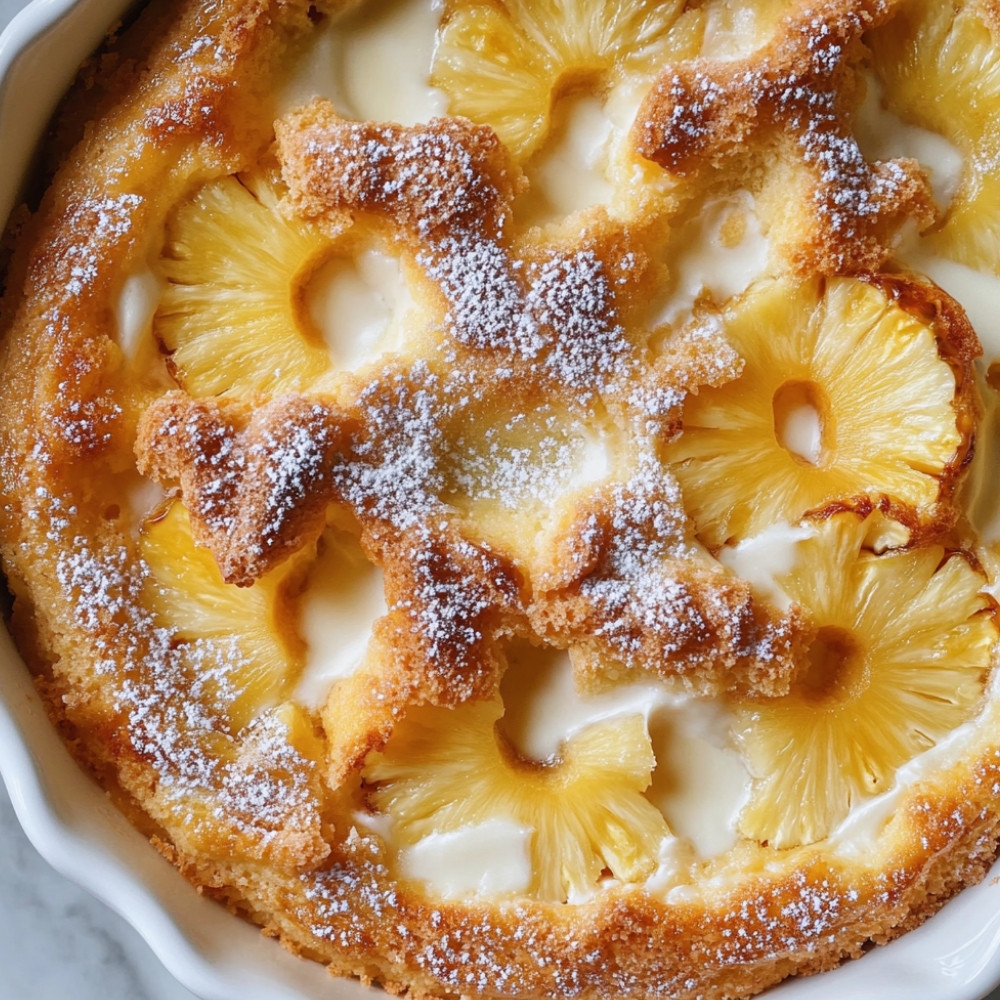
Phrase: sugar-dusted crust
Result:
[452,460]
[793,99]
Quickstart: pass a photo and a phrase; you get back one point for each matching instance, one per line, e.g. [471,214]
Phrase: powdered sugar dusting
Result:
[106,220]
[648,526]
[294,460]
[710,110]
[558,312]
[394,474]
[529,457]
[173,697]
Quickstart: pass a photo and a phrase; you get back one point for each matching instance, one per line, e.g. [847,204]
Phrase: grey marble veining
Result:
[58,943]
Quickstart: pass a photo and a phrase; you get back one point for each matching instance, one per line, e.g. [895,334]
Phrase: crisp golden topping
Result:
[530,551]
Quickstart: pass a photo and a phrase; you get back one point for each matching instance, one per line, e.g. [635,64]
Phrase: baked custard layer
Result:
[502,493]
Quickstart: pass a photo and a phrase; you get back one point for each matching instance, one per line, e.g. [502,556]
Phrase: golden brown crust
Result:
[459,462]
[252,477]
[792,101]
[615,561]
[433,181]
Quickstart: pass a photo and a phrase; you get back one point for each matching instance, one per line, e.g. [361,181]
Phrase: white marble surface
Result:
[57,941]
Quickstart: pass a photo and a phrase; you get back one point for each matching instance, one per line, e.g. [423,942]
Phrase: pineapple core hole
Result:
[569,173]
[351,302]
[800,423]
[836,667]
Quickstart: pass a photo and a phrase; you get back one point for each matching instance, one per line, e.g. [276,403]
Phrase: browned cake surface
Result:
[174,496]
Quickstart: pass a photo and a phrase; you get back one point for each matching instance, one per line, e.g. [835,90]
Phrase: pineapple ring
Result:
[259,654]
[234,271]
[940,68]
[904,644]
[504,65]
[817,415]
[234,729]
[446,769]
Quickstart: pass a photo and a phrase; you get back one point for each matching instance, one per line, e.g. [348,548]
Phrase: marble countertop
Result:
[58,941]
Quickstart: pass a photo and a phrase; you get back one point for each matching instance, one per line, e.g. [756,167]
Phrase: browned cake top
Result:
[295,589]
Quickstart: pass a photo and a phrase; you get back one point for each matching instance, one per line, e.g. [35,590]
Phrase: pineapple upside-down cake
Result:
[501,492]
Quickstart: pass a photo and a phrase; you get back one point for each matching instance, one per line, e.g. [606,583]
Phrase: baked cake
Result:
[502,492]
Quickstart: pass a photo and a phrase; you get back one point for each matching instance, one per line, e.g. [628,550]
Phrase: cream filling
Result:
[397,38]
[570,172]
[543,708]
[763,559]
[358,304]
[718,254]
[344,599]
[976,291]
[134,310]
[801,433]
[882,135]
[588,160]
[699,783]
[487,858]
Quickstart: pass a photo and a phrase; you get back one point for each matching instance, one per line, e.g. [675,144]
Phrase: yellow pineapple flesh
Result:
[447,769]
[864,378]
[253,627]
[515,465]
[233,313]
[941,70]
[903,646]
[503,65]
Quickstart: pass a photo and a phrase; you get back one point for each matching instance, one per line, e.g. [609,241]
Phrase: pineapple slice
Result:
[299,731]
[941,70]
[445,769]
[504,65]
[843,393]
[515,466]
[233,310]
[256,798]
[250,627]
[903,645]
